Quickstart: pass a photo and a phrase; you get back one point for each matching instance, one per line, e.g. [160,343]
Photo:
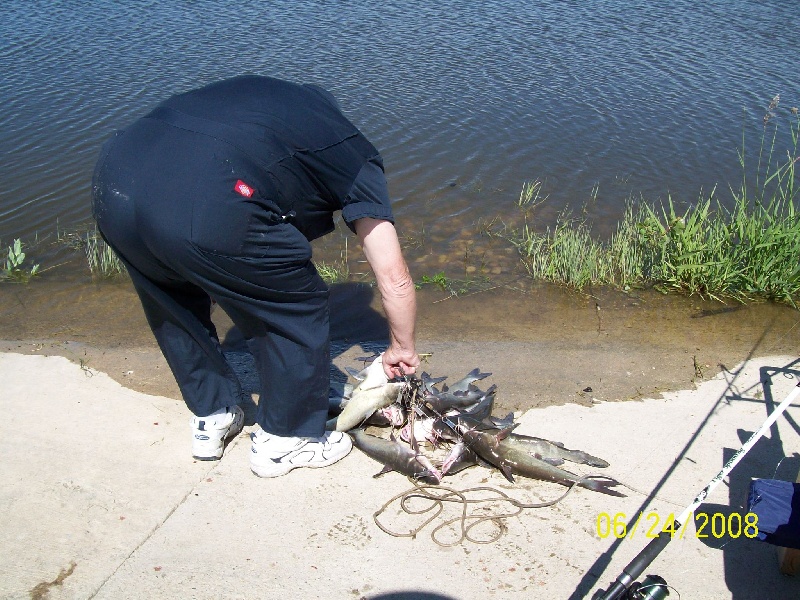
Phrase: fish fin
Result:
[355,374]
[551,442]
[550,461]
[370,358]
[506,471]
[386,469]
[593,461]
[504,433]
[582,458]
[559,444]
[506,421]
[428,380]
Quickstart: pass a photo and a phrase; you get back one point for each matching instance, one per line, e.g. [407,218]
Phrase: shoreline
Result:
[545,346]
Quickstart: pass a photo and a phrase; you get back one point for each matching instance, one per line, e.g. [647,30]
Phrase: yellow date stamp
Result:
[651,524]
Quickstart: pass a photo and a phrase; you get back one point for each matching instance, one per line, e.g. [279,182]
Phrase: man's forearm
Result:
[400,305]
[382,249]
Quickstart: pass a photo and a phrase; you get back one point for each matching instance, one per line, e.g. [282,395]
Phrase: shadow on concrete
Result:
[751,564]
[353,322]
[762,460]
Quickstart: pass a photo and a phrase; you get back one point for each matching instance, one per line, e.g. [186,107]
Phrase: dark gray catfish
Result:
[462,385]
[512,461]
[469,418]
[553,453]
[445,401]
[461,457]
[429,383]
[395,456]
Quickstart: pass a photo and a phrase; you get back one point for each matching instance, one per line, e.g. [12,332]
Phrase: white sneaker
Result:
[273,456]
[209,433]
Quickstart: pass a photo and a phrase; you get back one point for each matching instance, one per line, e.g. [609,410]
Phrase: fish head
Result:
[374,375]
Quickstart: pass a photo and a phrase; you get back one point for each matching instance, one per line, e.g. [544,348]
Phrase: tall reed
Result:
[750,251]
[103,262]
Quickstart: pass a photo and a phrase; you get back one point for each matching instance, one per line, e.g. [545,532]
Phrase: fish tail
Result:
[604,485]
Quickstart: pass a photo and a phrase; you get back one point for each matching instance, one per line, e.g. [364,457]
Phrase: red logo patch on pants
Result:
[243,189]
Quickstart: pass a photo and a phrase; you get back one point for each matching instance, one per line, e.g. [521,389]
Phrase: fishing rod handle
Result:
[637,566]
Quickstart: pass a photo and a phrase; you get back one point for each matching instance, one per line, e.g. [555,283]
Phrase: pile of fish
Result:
[454,423]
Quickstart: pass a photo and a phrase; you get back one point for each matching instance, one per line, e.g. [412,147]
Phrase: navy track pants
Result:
[163,201]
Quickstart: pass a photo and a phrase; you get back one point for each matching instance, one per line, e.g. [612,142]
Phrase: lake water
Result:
[466,101]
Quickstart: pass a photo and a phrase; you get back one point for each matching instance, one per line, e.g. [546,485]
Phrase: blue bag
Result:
[777,505]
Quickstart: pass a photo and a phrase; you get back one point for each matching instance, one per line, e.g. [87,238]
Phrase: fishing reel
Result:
[652,588]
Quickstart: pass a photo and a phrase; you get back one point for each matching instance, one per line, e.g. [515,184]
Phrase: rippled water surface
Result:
[465,100]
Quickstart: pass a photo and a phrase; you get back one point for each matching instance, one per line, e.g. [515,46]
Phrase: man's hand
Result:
[398,362]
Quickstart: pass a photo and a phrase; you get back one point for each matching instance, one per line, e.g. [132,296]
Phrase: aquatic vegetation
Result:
[745,249]
[440,280]
[337,271]
[530,196]
[103,262]
[567,254]
[13,269]
[454,286]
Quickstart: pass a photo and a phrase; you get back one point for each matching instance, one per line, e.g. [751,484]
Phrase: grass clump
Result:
[566,254]
[13,270]
[102,260]
[336,271]
[749,251]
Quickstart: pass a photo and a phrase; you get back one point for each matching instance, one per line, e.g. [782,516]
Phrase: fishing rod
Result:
[654,587]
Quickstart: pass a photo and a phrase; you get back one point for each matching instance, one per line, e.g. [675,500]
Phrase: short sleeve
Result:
[369,196]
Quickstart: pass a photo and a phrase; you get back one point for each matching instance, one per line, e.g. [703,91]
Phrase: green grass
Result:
[336,271]
[747,252]
[103,262]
